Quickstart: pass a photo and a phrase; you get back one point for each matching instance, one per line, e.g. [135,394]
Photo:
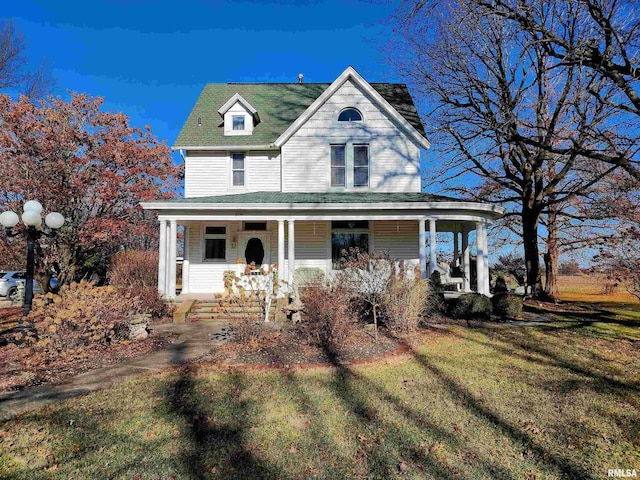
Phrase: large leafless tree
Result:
[14,66]
[599,36]
[537,131]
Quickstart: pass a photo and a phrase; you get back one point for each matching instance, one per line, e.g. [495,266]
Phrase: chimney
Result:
[300,78]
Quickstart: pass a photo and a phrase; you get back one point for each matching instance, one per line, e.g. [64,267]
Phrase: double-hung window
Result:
[215,243]
[237,169]
[350,165]
[338,166]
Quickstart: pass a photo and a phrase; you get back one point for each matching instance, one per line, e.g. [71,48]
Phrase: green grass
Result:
[559,402]
[607,319]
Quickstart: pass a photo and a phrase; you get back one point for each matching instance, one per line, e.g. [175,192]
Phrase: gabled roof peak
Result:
[237,98]
[279,106]
[350,74]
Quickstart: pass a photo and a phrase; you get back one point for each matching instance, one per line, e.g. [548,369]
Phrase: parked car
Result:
[9,283]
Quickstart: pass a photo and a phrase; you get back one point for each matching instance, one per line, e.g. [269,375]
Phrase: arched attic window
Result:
[350,115]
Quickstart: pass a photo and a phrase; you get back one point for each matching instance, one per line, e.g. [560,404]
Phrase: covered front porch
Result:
[306,231]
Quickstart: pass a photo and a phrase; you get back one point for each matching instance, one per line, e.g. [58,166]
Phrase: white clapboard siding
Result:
[311,243]
[394,158]
[205,277]
[209,173]
[398,238]
[313,248]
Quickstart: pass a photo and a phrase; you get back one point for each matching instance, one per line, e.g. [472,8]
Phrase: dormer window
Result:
[239,117]
[350,115]
[238,122]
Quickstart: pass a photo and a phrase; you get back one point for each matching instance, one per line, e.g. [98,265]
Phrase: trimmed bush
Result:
[327,317]
[507,305]
[403,303]
[471,306]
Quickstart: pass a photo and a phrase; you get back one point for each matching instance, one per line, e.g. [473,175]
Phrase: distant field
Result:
[592,288]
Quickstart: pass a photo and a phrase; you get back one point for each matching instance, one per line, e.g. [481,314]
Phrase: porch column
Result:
[162,259]
[280,255]
[173,230]
[456,247]
[185,261]
[292,252]
[422,248]
[466,260]
[485,246]
[433,246]
[481,260]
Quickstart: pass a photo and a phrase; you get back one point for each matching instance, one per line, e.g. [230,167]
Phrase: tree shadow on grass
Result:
[211,444]
[474,405]
[387,444]
[523,349]
[589,315]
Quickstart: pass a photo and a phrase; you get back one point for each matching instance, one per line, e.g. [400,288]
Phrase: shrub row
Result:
[474,306]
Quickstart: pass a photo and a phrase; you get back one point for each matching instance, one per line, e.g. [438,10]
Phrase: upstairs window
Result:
[350,165]
[215,243]
[238,122]
[338,166]
[237,167]
[361,165]
[350,115]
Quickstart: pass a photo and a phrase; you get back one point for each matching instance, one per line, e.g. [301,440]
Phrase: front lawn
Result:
[500,403]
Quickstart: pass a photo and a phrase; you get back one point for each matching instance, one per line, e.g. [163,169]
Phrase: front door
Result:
[255,248]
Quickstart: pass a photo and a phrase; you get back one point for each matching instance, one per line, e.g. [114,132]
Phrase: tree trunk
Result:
[531,254]
[551,257]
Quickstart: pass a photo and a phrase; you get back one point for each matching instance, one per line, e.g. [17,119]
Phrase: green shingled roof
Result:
[278,105]
[321,197]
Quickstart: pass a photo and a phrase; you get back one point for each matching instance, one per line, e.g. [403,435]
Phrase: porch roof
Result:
[411,203]
[315,198]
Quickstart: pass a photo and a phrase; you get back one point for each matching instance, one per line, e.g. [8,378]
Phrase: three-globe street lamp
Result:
[33,220]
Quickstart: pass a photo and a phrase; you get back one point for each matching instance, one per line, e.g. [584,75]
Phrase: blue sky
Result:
[150,59]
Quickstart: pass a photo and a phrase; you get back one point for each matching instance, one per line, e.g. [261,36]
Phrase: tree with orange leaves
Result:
[91,166]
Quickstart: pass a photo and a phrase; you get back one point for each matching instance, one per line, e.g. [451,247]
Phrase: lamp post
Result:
[32,219]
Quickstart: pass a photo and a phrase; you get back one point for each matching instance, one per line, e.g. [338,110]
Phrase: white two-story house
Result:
[293,174]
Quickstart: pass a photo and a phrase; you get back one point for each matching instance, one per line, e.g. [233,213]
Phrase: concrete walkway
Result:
[194,340]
